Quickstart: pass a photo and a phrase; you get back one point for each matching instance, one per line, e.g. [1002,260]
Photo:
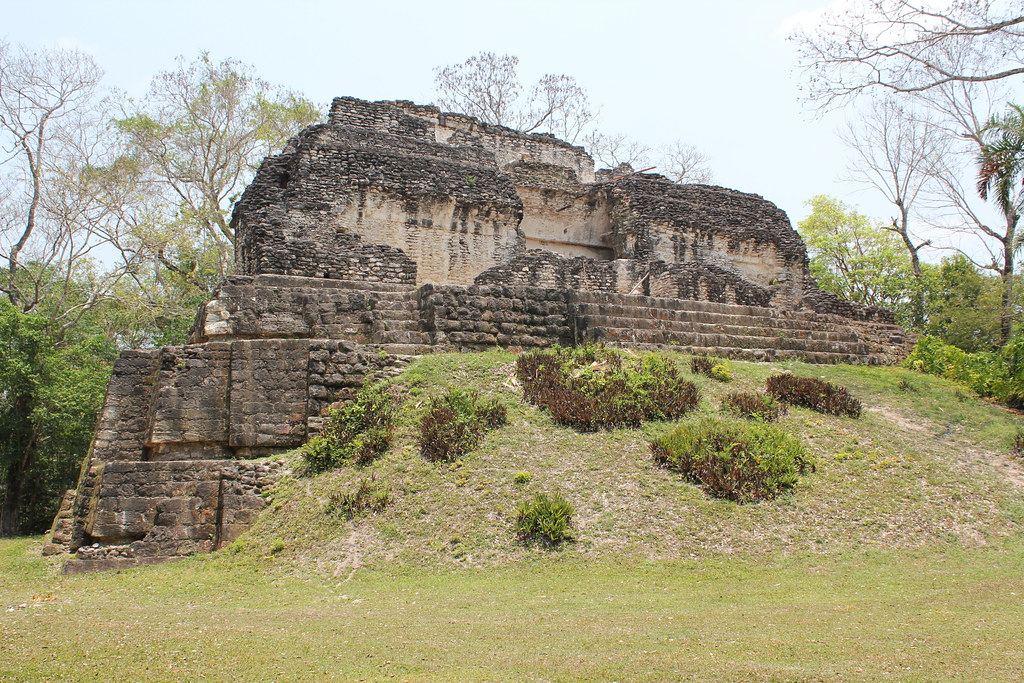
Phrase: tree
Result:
[487,87]
[1001,170]
[684,163]
[612,151]
[856,259]
[910,46]
[56,214]
[49,399]
[198,136]
[897,153]
[963,305]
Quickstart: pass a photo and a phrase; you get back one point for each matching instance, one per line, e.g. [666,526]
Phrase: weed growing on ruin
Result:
[456,422]
[544,519]
[368,495]
[358,432]
[753,405]
[738,461]
[815,394]
[593,387]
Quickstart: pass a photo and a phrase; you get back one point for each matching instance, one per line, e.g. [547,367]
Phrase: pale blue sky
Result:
[716,74]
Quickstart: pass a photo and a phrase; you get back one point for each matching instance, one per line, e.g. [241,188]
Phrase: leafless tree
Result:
[611,151]
[903,46]
[897,152]
[487,87]
[684,163]
[57,218]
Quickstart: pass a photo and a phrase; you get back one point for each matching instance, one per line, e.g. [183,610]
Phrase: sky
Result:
[718,75]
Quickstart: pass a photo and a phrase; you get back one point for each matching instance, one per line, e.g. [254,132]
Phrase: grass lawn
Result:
[937,613]
[900,558]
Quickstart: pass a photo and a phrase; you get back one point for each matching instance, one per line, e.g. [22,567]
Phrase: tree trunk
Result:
[10,508]
[1009,249]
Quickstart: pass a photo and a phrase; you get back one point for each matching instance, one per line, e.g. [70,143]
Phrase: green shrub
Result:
[545,519]
[366,496]
[1000,375]
[753,405]
[738,461]
[456,422]
[357,432]
[521,478]
[816,394]
[722,373]
[593,387]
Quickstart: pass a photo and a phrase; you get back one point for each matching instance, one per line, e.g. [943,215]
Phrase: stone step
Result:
[403,337]
[703,340]
[296,281]
[760,355]
[407,350]
[750,329]
[769,319]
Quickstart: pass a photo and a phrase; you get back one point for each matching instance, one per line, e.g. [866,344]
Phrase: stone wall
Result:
[134,513]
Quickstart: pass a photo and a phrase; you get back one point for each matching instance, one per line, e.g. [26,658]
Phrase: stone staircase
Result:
[733,331]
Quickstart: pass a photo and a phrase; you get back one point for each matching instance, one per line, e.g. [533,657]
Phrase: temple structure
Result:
[396,229]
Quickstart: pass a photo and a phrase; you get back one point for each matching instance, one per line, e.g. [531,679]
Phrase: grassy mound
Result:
[925,464]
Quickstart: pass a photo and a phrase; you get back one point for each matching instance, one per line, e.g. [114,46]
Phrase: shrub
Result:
[593,387]
[722,373]
[738,461]
[456,422]
[358,432]
[1000,375]
[366,496]
[521,478]
[815,394]
[702,365]
[547,519]
[1018,444]
[753,405]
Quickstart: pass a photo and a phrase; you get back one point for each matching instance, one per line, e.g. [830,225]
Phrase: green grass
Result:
[939,613]
[900,558]
[919,467]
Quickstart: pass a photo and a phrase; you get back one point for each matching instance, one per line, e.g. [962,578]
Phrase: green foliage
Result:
[856,259]
[50,396]
[357,432]
[521,478]
[368,495]
[997,374]
[456,422]
[962,304]
[753,405]
[545,519]
[593,387]
[738,461]
[197,138]
[815,394]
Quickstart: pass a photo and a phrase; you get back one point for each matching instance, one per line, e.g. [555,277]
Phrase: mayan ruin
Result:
[395,230]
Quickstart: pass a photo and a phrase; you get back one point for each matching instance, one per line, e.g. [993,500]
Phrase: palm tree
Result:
[1000,172]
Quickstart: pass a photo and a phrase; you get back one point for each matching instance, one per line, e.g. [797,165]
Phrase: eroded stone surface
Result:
[396,229]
